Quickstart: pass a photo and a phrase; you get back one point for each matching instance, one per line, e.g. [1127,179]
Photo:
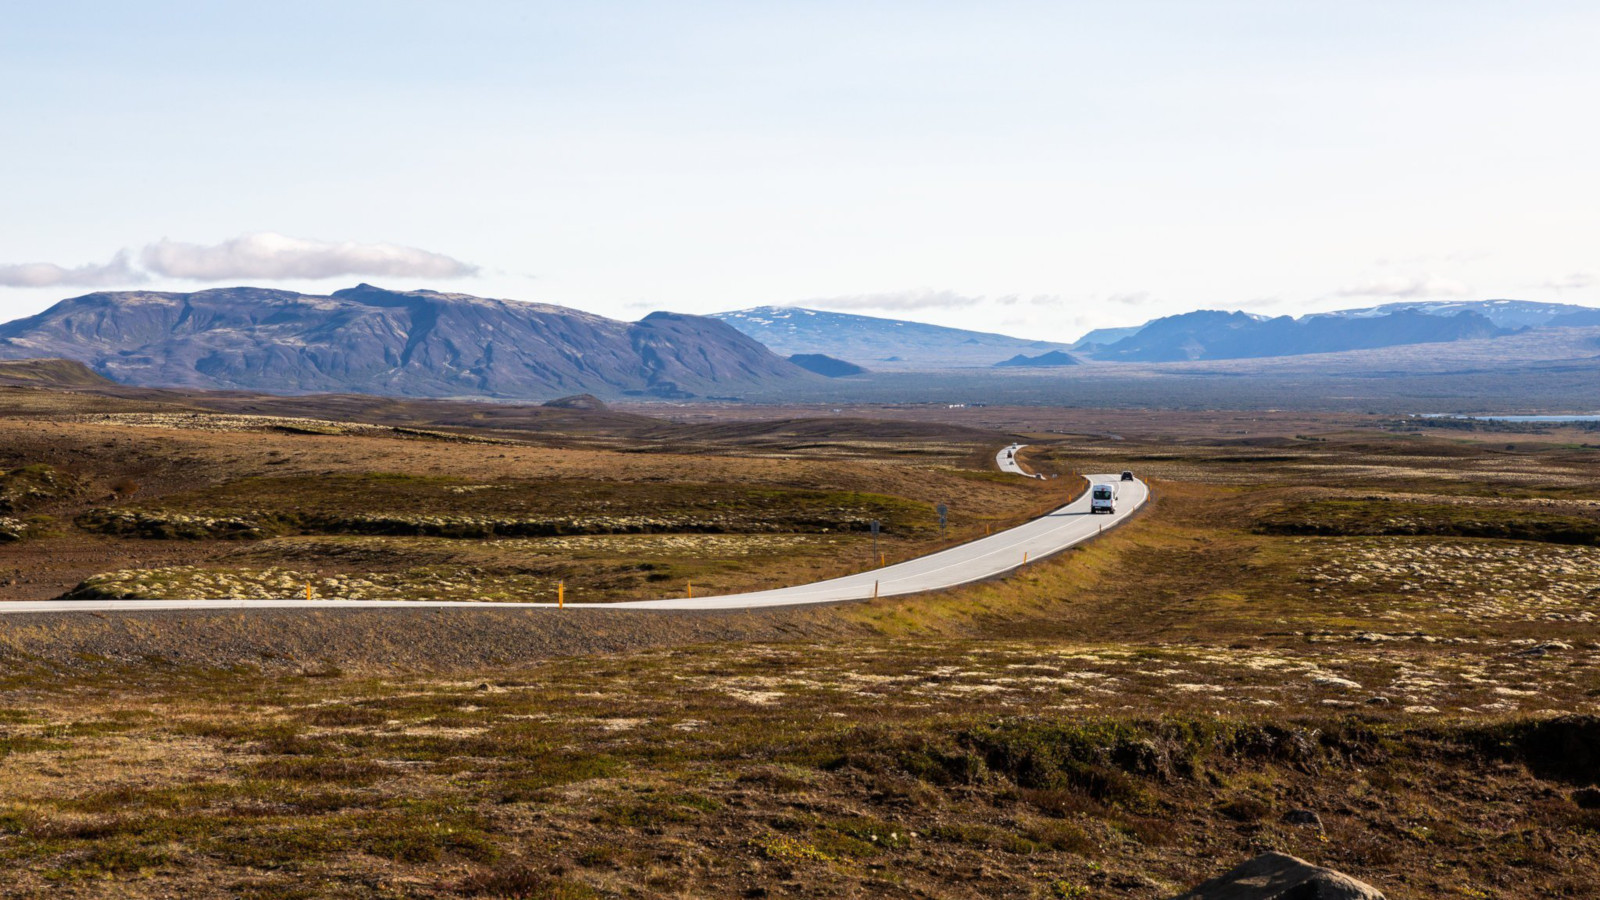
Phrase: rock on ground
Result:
[1279,876]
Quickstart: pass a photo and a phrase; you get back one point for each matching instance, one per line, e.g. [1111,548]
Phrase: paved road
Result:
[975,561]
[1006,459]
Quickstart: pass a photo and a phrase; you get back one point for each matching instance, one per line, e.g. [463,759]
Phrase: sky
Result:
[1032,168]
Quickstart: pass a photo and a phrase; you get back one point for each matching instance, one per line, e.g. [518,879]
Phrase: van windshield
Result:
[1102,493]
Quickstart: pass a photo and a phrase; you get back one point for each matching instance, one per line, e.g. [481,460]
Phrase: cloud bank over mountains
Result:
[252,256]
[919,299]
[119,271]
[1403,287]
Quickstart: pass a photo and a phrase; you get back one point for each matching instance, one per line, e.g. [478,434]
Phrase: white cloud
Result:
[1401,287]
[899,301]
[119,271]
[921,299]
[263,256]
[271,256]
[1574,282]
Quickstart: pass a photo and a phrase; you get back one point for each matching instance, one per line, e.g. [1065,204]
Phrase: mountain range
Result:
[1212,334]
[370,340]
[1504,313]
[409,343]
[896,345]
[883,345]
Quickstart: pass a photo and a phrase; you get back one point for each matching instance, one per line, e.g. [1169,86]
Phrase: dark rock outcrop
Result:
[1279,876]
[1305,818]
[1587,798]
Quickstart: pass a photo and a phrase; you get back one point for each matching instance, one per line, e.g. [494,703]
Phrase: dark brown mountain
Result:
[825,365]
[406,343]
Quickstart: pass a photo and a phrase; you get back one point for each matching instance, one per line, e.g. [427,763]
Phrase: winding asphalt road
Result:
[1006,459]
[975,561]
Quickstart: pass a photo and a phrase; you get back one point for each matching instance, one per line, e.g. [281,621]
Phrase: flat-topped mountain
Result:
[1213,334]
[410,343]
[1504,313]
[878,344]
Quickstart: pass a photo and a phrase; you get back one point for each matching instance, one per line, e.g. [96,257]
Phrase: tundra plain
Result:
[1362,641]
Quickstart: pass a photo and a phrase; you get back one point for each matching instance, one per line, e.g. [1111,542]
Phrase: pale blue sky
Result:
[1038,168]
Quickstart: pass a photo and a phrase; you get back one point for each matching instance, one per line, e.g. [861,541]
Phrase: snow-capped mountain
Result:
[1503,313]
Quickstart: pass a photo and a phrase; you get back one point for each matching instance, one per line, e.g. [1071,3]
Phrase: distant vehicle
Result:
[1103,498]
[1126,475]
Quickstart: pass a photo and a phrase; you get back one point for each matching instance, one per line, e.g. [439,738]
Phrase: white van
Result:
[1103,498]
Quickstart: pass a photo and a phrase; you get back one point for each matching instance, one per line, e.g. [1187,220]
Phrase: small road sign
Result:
[944,515]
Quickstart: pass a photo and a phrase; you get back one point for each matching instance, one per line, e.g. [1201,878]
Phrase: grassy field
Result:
[163,501]
[1375,650]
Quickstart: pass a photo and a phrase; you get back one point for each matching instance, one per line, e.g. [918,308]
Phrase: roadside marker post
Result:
[308,590]
[1024,557]
[883,560]
[874,590]
[691,590]
[561,595]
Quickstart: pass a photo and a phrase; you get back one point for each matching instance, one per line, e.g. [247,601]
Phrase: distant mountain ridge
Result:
[1207,333]
[1214,334]
[1053,359]
[1582,318]
[408,343]
[889,345]
[877,343]
[1104,336]
[1503,313]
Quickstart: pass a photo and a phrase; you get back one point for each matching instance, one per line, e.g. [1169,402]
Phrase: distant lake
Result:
[1593,417]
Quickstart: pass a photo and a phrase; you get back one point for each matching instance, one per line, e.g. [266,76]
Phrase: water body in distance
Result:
[1592,417]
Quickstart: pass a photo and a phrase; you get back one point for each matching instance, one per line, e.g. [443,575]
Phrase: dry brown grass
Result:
[1122,721]
[796,511]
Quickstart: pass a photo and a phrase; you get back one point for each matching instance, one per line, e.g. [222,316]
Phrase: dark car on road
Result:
[1127,476]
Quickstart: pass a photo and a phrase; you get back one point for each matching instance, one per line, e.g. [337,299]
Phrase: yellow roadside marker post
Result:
[1024,557]
[308,590]
[561,595]
[691,590]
